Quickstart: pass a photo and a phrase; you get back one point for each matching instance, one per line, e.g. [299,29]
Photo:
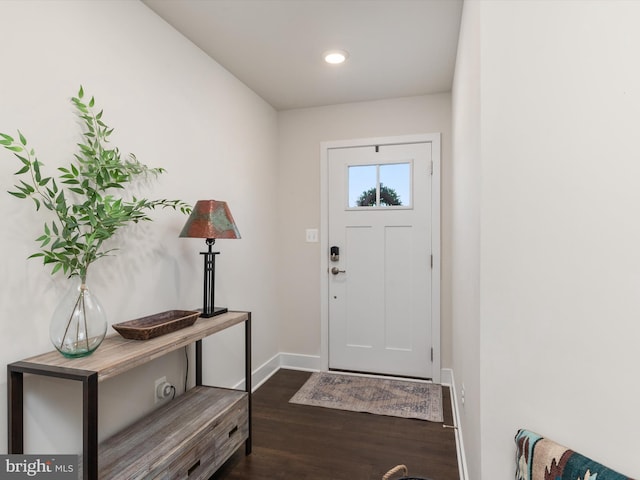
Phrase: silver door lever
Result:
[336,270]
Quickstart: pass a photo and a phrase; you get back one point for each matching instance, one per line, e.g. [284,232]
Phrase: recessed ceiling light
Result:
[335,57]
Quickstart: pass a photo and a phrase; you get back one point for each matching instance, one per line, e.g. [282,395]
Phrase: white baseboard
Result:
[292,361]
[296,361]
[449,380]
[264,372]
[446,377]
[312,363]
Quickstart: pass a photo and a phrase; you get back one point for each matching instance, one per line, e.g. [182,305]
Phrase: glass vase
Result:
[79,323]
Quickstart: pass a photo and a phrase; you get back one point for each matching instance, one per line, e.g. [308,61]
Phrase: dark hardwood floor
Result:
[313,443]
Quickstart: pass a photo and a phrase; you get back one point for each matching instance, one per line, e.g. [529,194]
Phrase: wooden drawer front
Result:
[212,447]
[168,443]
[233,431]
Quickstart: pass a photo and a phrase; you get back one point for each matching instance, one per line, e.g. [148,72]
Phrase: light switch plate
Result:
[312,235]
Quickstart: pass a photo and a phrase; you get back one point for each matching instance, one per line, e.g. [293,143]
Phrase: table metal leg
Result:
[90,427]
[15,411]
[247,375]
[198,362]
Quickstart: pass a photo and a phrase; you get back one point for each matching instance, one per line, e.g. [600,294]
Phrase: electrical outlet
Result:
[157,389]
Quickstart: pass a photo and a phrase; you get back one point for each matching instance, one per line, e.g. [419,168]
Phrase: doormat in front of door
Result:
[380,396]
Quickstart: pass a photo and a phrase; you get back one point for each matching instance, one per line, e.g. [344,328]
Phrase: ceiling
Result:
[397,48]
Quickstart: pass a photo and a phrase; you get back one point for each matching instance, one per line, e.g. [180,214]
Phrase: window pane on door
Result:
[395,185]
[363,181]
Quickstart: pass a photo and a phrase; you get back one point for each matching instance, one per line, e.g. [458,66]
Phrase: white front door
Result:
[380,285]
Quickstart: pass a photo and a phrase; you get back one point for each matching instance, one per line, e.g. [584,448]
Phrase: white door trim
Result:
[434,138]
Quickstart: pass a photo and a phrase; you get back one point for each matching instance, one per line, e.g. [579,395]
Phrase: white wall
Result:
[559,236]
[300,134]
[175,108]
[466,174]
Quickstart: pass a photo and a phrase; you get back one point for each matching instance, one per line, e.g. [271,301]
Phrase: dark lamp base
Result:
[216,311]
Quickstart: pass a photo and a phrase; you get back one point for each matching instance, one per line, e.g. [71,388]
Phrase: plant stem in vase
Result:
[79,323]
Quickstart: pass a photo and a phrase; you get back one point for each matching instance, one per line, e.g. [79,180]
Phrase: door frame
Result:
[434,139]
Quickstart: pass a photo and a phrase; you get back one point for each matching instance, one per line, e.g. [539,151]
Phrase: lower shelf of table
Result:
[192,437]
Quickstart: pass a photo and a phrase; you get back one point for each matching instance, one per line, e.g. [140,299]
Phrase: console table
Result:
[212,422]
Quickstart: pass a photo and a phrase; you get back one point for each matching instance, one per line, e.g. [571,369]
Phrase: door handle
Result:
[336,270]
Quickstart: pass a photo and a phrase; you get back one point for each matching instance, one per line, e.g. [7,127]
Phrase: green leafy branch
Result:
[388,197]
[86,209]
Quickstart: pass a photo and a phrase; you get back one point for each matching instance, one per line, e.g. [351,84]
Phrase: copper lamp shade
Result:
[210,219]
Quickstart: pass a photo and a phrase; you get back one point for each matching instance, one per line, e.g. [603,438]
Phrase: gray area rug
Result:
[381,396]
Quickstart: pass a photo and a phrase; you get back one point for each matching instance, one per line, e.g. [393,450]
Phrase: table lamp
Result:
[210,219]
